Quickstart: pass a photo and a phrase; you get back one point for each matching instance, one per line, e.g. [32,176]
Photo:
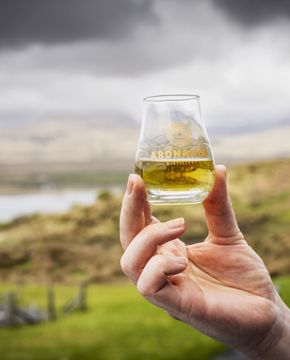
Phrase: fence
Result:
[12,314]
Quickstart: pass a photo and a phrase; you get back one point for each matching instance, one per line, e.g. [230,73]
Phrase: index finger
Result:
[135,212]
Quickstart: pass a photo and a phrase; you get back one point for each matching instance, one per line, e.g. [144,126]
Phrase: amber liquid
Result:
[175,177]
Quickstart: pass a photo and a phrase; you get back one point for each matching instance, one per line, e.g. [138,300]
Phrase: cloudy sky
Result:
[75,57]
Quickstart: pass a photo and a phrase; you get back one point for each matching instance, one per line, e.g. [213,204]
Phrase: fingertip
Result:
[175,228]
[130,184]
[135,177]
[135,184]
[181,260]
[221,170]
[136,197]
[219,213]
[218,197]
[133,204]
[219,187]
[175,223]
[155,273]
[221,166]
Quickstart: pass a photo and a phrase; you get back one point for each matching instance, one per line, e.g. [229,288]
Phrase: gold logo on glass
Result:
[179,134]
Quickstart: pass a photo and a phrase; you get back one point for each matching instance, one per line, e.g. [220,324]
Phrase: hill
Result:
[85,151]
[62,152]
[68,141]
[83,243]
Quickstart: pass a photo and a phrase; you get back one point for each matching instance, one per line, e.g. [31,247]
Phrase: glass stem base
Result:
[162,197]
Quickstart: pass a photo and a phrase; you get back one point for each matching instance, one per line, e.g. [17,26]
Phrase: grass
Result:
[283,284]
[119,325]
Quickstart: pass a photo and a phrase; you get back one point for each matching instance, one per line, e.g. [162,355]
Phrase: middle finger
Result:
[145,244]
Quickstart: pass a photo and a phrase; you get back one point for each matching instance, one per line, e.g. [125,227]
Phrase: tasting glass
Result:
[174,156]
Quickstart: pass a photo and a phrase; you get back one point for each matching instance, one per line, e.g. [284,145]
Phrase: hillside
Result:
[83,243]
[65,141]
[89,151]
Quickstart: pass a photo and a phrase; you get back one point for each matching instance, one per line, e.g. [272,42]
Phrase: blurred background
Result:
[72,78]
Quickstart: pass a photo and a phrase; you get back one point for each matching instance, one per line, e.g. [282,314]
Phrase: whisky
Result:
[165,179]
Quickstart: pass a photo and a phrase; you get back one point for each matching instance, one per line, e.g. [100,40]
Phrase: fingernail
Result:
[130,184]
[181,260]
[176,223]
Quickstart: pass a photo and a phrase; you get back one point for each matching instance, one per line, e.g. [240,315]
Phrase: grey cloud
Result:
[254,12]
[194,48]
[147,49]
[26,22]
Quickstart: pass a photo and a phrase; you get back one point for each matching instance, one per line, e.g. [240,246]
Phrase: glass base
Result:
[163,197]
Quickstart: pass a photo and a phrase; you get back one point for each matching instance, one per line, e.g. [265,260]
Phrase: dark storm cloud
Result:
[23,22]
[254,12]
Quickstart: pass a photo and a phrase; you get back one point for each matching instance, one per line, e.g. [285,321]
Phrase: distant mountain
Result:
[101,138]
[82,146]
[102,119]
[269,143]
[245,128]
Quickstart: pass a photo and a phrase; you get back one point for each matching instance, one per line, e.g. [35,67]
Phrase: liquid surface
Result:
[176,175]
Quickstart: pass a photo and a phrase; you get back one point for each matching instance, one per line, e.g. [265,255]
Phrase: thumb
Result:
[220,216]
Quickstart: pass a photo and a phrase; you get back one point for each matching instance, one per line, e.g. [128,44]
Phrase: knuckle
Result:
[149,231]
[158,262]
[144,289]
[129,267]
[126,268]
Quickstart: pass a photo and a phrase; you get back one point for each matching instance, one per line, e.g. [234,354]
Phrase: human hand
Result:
[219,286]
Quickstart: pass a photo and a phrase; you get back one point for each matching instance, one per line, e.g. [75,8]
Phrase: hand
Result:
[219,286]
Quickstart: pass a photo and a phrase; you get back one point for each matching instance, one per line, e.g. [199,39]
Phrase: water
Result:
[12,206]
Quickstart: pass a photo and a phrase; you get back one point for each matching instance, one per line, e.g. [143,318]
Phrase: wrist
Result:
[276,344]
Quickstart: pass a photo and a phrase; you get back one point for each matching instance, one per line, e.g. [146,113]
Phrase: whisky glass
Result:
[174,156]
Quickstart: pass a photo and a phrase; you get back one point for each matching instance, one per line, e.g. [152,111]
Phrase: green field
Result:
[283,284]
[118,325]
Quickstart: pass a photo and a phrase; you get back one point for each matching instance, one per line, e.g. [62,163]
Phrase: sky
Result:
[74,58]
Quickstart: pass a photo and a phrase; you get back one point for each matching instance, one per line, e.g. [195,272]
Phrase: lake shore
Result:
[49,201]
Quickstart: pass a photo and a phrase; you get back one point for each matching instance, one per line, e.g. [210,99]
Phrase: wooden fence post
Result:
[51,310]
[19,290]
[83,306]
[11,309]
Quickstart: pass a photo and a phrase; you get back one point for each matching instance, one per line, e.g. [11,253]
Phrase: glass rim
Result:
[171,97]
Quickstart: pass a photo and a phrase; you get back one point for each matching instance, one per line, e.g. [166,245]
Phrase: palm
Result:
[222,281]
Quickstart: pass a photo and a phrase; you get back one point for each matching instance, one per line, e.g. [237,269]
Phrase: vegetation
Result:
[118,326]
[83,243]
